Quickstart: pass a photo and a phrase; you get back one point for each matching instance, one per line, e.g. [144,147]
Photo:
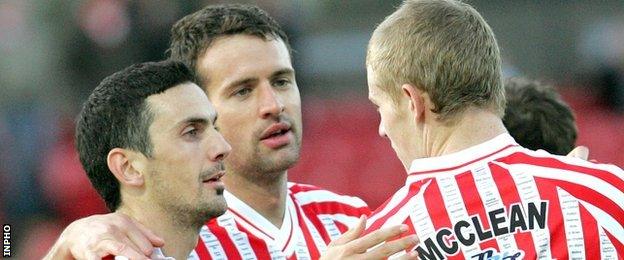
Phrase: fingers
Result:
[141,238]
[412,255]
[114,248]
[581,152]
[390,248]
[351,234]
[368,241]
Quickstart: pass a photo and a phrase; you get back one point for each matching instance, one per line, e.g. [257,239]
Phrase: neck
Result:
[475,126]
[180,238]
[267,197]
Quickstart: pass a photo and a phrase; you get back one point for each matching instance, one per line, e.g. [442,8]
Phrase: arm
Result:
[98,236]
[351,246]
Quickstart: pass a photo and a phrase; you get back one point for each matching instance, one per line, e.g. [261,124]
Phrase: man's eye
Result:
[242,92]
[282,83]
[192,132]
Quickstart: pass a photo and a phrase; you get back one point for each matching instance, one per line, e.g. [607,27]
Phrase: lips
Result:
[275,130]
[277,135]
[214,177]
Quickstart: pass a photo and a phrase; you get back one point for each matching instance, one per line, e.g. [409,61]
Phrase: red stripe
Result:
[437,211]
[249,222]
[316,222]
[509,194]
[591,196]
[464,164]
[474,204]
[228,245]
[413,190]
[258,245]
[296,188]
[201,250]
[331,208]
[556,228]
[314,252]
[619,245]
[591,238]
[548,162]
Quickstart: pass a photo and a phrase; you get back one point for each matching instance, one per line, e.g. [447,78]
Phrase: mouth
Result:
[275,130]
[214,178]
[277,135]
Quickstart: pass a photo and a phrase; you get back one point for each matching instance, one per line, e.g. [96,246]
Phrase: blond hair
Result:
[442,47]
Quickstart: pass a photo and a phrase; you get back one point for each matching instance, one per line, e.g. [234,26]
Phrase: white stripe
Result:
[618,172]
[605,220]
[421,220]
[491,201]
[240,239]
[572,224]
[297,242]
[607,250]
[345,219]
[394,201]
[307,197]
[527,189]
[316,236]
[406,210]
[585,180]
[456,209]
[251,229]
[330,226]
[214,247]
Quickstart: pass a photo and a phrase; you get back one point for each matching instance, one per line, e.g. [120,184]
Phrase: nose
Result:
[382,130]
[270,102]
[220,148]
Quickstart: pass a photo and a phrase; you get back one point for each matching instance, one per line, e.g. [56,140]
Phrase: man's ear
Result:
[416,101]
[120,162]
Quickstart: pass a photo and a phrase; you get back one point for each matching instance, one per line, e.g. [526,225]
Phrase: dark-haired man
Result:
[152,159]
[537,117]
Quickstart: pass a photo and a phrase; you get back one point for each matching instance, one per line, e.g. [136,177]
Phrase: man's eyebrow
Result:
[194,120]
[240,82]
[285,71]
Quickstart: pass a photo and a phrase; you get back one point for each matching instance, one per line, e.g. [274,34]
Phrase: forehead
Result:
[179,102]
[232,57]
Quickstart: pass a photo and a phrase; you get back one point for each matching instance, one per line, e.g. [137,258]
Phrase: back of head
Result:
[443,47]
[537,117]
[117,115]
[193,34]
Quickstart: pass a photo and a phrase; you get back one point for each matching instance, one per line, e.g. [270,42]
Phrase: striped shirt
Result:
[498,200]
[313,217]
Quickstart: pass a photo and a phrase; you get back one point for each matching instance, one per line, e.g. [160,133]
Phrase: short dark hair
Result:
[538,118]
[193,34]
[116,115]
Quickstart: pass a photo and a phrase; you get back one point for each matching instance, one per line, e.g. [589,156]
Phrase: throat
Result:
[269,200]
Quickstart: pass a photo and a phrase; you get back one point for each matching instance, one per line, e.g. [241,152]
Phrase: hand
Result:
[351,246]
[98,236]
[580,152]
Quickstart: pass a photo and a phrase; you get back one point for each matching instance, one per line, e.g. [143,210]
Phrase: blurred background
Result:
[53,53]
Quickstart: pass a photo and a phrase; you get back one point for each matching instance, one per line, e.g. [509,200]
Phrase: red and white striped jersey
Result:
[498,200]
[313,218]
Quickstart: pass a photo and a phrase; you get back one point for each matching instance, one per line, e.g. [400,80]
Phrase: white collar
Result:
[254,221]
[464,157]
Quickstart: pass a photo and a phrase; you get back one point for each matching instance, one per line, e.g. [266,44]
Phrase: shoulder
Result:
[312,196]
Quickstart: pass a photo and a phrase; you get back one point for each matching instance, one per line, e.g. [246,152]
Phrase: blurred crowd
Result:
[53,53]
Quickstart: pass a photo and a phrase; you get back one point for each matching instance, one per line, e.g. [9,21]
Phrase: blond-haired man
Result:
[472,192]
